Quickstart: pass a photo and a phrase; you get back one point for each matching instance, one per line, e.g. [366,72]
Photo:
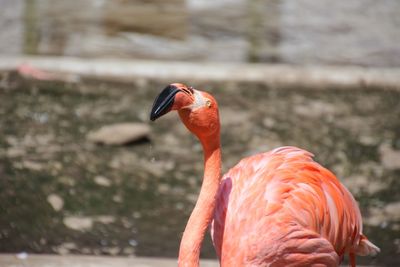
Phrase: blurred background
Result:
[82,171]
[357,32]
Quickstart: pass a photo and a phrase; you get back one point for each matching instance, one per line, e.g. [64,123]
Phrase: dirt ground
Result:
[61,193]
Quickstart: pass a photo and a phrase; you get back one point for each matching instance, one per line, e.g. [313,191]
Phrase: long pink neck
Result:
[202,214]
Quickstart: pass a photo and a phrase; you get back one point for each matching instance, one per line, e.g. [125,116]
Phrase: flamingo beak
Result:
[163,102]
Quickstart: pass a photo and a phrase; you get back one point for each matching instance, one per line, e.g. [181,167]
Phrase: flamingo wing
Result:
[284,209]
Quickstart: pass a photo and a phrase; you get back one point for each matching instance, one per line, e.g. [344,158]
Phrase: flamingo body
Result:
[284,209]
[274,209]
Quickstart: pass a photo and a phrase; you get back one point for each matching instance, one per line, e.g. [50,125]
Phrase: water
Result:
[353,32]
[153,186]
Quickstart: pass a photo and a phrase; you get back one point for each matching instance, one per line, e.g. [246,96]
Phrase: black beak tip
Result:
[153,116]
[163,102]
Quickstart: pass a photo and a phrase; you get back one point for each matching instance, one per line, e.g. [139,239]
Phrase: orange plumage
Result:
[283,208]
[278,208]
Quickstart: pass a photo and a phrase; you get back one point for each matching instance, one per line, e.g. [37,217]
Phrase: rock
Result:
[359,183]
[163,188]
[55,201]
[393,210]
[85,223]
[136,215]
[128,251]
[111,250]
[66,180]
[232,117]
[65,248]
[123,159]
[192,197]
[381,216]
[78,223]
[14,152]
[22,255]
[133,242]
[104,219]
[269,122]
[103,181]
[31,165]
[390,158]
[85,250]
[120,134]
[117,199]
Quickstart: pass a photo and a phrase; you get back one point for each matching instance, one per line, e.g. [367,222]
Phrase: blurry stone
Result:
[192,197]
[136,215]
[85,250]
[368,140]
[393,210]
[179,206]
[126,223]
[163,188]
[55,201]
[104,219]
[231,117]
[133,242]
[390,158]
[111,250]
[178,190]
[12,140]
[84,223]
[67,180]
[129,251]
[381,216]
[115,163]
[192,181]
[269,122]
[169,165]
[117,198]
[78,223]
[103,181]
[171,140]
[42,139]
[61,250]
[359,183]
[31,165]
[57,166]
[65,248]
[155,168]
[13,152]
[22,255]
[123,159]
[120,134]
[315,109]
[41,118]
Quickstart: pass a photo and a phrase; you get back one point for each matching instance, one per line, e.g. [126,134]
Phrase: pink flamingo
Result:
[278,208]
[29,71]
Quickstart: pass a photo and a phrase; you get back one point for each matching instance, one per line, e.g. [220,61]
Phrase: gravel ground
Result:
[61,193]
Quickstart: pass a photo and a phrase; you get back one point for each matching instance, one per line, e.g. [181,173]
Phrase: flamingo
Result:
[278,208]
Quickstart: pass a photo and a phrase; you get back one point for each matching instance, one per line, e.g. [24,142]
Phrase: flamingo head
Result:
[198,110]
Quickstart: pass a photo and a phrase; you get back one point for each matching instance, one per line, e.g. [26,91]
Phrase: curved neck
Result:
[202,214]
